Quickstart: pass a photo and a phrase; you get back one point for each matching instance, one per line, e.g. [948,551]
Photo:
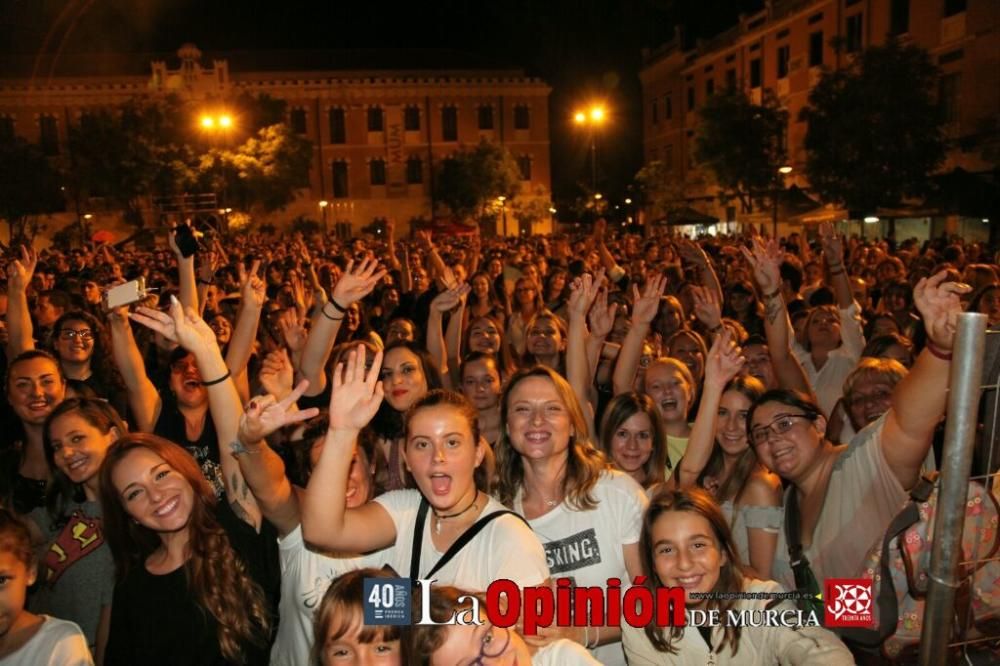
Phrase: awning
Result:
[687,215]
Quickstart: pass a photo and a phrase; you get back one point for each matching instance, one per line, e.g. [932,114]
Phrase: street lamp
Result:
[591,118]
[216,124]
[323,206]
[779,184]
[502,200]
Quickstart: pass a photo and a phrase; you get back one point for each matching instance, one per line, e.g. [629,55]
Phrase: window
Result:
[340,179]
[49,137]
[6,128]
[755,73]
[486,117]
[948,96]
[668,156]
[816,48]
[524,164]
[522,117]
[375,122]
[668,107]
[411,119]
[297,118]
[449,124]
[690,99]
[338,126]
[815,18]
[853,35]
[784,53]
[654,112]
[414,171]
[952,7]
[899,17]
[731,79]
[709,87]
[376,172]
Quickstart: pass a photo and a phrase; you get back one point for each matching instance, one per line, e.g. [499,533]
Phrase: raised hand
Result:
[706,307]
[209,263]
[448,300]
[602,315]
[20,271]
[252,288]
[355,397]
[939,305]
[600,228]
[266,414]
[185,328]
[833,246]
[583,293]
[293,330]
[276,374]
[725,360]
[691,252]
[765,260]
[357,281]
[646,305]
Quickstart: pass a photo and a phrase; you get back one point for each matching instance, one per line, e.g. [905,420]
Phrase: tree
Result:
[661,187]
[469,182]
[874,132]
[29,186]
[742,144]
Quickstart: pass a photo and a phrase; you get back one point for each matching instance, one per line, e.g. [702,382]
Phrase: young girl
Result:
[481,385]
[26,638]
[686,543]
[670,385]
[632,436]
[442,450]
[76,580]
[341,634]
[445,645]
[720,458]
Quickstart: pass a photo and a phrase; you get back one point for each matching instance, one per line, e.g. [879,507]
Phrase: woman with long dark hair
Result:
[633,438]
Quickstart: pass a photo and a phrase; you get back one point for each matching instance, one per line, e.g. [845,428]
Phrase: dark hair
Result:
[15,538]
[457,401]
[426,639]
[30,355]
[877,346]
[98,414]
[387,422]
[625,406]
[102,365]
[752,389]
[787,397]
[343,604]
[57,297]
[697,501]
[792,273]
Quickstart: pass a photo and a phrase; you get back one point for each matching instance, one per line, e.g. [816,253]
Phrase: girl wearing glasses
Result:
[481,645]
[686,543]
[81,345]
[719,458]
[847,495]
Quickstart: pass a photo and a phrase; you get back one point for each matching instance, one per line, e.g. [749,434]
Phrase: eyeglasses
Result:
[779,426]
[492,648]
[70,334]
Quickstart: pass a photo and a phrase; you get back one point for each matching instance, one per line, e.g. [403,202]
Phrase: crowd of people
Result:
[207,475]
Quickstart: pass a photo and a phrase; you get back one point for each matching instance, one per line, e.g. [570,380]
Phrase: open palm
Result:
[355,396]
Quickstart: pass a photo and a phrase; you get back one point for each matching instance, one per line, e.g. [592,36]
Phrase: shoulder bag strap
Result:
[469,535]
[418,538]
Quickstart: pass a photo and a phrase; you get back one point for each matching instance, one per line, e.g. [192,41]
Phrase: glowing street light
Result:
[580,117]
[552,210]
[598,196]
[871,219]
[592,118]
[322,206]
[628,202]
[597,114]
[208,122]
[785,170]
[225,122]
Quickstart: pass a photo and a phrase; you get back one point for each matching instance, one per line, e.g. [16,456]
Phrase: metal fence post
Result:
[959,439]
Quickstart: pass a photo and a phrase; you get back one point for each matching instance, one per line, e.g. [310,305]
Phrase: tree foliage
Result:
[469,182]
[874,132]
[29,185]
[661,187]
[741,143]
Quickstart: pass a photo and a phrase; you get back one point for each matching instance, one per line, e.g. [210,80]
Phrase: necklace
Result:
[438,517]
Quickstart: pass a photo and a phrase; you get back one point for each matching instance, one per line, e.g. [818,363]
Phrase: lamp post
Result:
[217,125]
[779,184]
[323,205]
[591,119]
[502,200]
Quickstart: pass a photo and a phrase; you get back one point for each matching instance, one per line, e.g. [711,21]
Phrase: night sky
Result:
[585,49]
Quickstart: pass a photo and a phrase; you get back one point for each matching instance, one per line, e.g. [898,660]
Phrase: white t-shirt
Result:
[505,548]
[563,653]
[828,382]
[57,643]
[586,546]
[305,577]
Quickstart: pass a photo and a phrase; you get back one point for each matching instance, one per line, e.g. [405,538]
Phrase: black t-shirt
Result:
[170,425]
[155,620]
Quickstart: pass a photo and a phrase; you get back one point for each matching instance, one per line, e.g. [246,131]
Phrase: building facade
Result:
[377,133]
[785,48]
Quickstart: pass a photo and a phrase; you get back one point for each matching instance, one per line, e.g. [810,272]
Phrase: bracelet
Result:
[937,352]
[597,639]
[839,271]
[219,380]
[716,329]
[586,636]
[322,311]
[337,306]
[237,448]
[205,282]
[774,293]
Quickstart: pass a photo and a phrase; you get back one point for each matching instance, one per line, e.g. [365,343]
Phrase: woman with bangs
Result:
[483,299]
[670,385]
[444,454]
[481,385]
[634,439]
[485,335]
[586,514]
[545,342]
[688,347]
[686,543]
[720,459]
[76,579]
[342,638]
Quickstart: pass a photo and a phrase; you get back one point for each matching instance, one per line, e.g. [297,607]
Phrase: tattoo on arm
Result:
[775,306]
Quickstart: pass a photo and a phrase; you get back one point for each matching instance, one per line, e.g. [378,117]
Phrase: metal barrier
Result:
[972,402]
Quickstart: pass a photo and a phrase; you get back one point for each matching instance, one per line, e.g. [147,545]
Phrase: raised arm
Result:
[143,398]
[582,294]
[356,283]
[252,296]
[260,466]
[851,330]
[919,400]
[723,363]
[602,320]
[695,254]
[191,332]
[444,302]
[20,334]
[326,520]
[185,273]
[644,308]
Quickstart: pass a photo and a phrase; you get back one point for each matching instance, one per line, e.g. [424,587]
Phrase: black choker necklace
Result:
[438,517]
